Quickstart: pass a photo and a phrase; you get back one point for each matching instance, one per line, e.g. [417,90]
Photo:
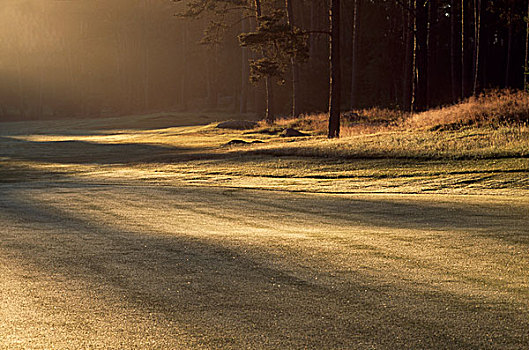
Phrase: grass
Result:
[498,108]
[151,228]
[489,126]
[381,150]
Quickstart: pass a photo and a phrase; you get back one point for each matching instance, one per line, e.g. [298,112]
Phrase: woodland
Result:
[268,57]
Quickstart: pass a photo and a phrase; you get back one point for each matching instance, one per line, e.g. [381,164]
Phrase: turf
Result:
[151,232]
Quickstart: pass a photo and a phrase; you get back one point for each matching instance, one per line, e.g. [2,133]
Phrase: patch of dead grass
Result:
[492,108]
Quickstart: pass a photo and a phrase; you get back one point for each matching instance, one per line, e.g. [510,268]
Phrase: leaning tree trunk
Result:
[335,71]
[295,68]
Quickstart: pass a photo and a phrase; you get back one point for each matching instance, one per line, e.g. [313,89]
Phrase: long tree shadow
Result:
[83,152]
[109,126]
[235,292]
[496,221]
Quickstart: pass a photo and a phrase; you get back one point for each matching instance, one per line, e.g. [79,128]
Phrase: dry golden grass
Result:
[493,108]
[507,141]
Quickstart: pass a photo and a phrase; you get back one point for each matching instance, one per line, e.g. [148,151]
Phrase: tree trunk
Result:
[354,52]
[335,71]
[212,68]
[408,70]
[270,117]
[453,48]
[421,74]
[463,69]
[146,58]
[243,101]
[509,45]
[432,45]
[526,68]
[183,82]
[295,68]
[477,32]
[269,114]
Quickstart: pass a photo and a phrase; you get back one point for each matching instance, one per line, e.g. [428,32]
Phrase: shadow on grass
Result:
[240,295]
[493,221]
[425,154]
[83,152]
[111,125]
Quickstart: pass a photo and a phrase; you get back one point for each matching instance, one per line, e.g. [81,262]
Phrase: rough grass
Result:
[483,142]
[491,109]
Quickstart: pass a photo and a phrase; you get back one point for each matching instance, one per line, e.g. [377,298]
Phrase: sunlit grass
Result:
[308,210]
[380,151]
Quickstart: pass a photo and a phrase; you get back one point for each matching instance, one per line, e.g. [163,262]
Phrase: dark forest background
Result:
[96,58]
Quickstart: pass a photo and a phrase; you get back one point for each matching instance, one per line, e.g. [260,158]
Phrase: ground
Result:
[160,236]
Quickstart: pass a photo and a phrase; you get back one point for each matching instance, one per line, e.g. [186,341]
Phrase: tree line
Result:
[271,57]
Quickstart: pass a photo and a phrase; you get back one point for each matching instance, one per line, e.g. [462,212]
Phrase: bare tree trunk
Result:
[453,47]
[477,32]
[508,61]
[432,45]
[243,105]
[526,68]
[312,39]
[463,69]
[183,82]
[354,52]
[509,45]
[269,114]
[40,108]
[407,82]
[295,68]
[146,58]
[335,71]
[421,54]
[212,69]
[413,103]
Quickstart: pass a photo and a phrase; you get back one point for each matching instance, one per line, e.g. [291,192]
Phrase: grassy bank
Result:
[495,125]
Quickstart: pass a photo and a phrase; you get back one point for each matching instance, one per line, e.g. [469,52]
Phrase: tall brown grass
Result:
[493,108]
[493,125]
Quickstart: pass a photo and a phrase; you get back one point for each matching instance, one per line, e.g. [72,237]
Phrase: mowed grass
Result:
[289,243]
[457,149]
